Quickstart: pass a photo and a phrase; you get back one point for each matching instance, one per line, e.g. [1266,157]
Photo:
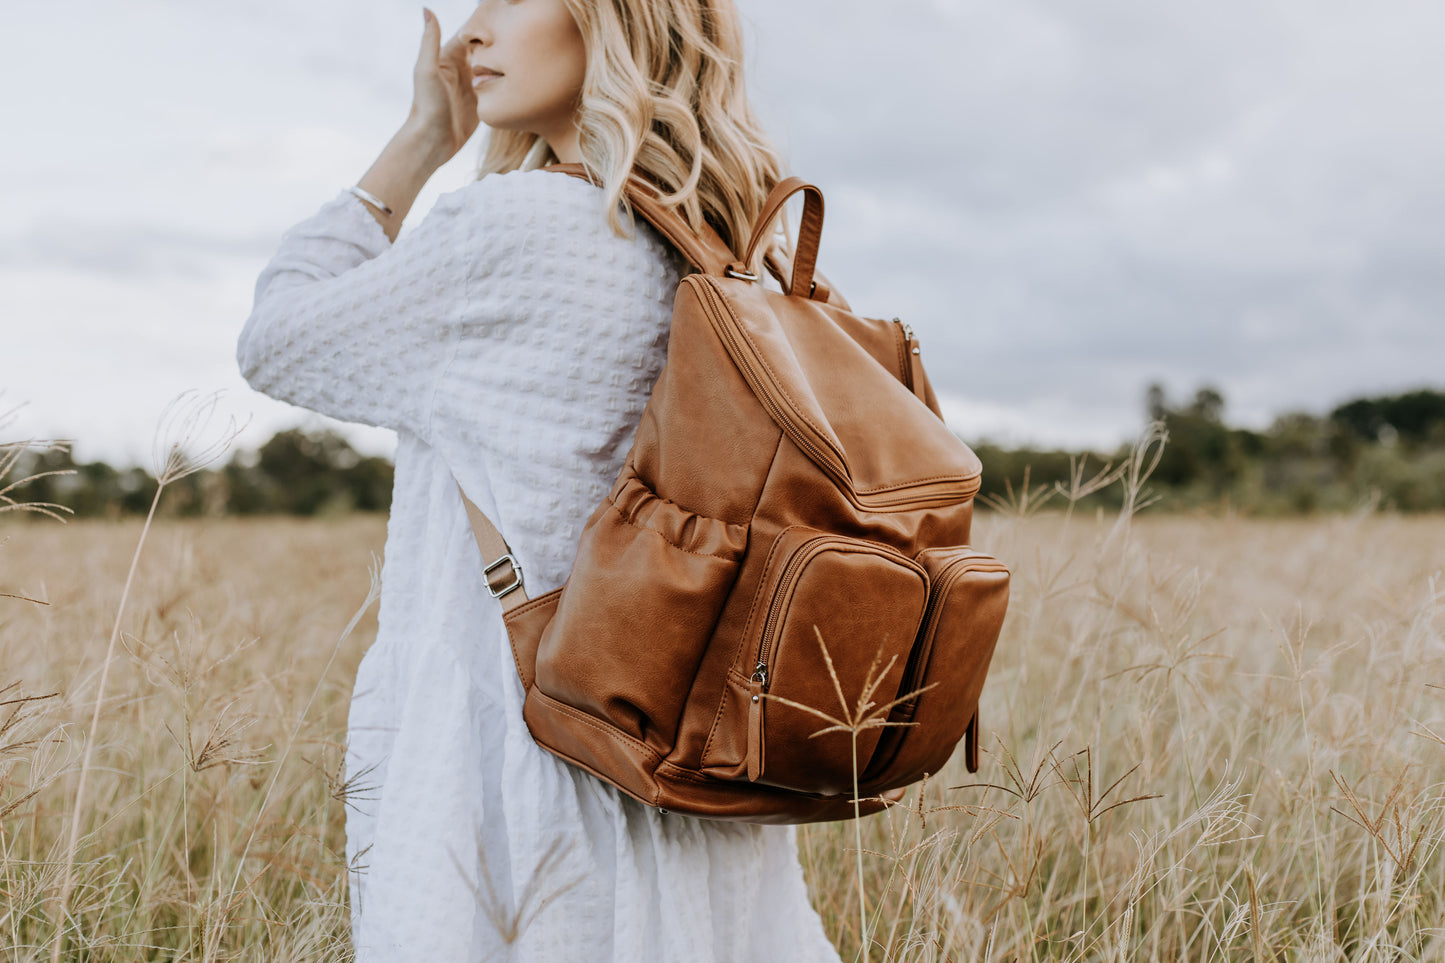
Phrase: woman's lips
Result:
[482,76]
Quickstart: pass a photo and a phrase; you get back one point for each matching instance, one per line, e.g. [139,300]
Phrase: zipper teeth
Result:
[828,459]
[966,490]
[790,573]
[907,367]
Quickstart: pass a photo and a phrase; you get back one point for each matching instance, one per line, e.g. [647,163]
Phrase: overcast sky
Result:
[1066,198]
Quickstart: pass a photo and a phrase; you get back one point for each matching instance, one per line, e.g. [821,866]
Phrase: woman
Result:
[511,340]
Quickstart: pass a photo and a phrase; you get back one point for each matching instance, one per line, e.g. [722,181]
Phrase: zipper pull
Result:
[915,359]
[755,721]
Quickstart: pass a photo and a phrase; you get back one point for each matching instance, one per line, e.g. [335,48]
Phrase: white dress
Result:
[512,339]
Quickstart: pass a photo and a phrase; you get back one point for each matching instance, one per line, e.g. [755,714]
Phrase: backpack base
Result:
[639,770]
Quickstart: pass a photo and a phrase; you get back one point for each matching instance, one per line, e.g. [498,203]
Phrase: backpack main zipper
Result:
[910,348]
[819,450]
[831,460]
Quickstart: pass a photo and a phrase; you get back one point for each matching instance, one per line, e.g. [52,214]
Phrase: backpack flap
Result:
[851,413]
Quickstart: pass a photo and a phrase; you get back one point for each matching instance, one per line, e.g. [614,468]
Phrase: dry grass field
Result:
[1206,739]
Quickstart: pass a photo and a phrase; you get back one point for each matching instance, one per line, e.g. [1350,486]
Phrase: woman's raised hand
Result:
[443,117]
[443,105]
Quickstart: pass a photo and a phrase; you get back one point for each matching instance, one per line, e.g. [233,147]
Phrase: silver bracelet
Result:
[371,199]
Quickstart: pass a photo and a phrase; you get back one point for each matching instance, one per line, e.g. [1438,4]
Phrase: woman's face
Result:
[527,63]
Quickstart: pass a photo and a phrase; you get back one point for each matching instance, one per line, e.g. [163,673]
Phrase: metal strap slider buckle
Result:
[516,582]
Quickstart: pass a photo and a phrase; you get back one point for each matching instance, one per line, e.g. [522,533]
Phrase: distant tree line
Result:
[1388,451]
[294,473]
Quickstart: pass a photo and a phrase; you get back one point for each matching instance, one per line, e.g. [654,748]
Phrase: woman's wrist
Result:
[401,170]
[431,145]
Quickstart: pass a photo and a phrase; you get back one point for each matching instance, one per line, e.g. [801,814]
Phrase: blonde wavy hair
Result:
[663,96]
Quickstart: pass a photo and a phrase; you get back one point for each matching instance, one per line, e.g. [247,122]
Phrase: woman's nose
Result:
[474,32]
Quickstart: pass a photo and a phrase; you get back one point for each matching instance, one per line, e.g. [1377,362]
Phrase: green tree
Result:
[1203,452]
[1415,417]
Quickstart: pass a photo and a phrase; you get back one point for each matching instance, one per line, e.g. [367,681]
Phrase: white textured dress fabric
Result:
[510,339]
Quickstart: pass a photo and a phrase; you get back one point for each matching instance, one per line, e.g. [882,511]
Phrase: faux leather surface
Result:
[810,233]
[830,391]
[790,478]
[952,654]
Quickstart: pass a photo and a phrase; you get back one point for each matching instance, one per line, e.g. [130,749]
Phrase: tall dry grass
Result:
[212,824]
[1212,739]
[1208,739]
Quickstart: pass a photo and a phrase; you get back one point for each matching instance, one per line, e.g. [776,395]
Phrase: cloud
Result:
[1072,199]
[1067,199]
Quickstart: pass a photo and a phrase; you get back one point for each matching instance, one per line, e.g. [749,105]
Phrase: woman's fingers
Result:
[430,38]
[452,49]
[442,98]
[438,63]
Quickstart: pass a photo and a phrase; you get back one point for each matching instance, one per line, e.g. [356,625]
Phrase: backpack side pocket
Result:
[861,600]
[950,660]
[635,616]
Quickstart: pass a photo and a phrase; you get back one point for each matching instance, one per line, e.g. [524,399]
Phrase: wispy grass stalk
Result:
[192,418]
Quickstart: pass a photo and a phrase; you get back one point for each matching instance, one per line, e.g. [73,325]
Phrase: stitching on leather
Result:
[654,800]
[673,771]
[717,718]
[903,363]
[717,721]
[603,728]
[917,481]
[743,639]
[509,617]
[862,547]
[743,332]
[517,661]
[762,584]
[768,215]
[530,604]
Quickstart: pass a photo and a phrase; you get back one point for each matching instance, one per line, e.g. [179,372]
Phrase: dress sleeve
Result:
[352,326]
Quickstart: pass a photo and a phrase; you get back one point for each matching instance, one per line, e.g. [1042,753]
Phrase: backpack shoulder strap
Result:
[502,570]
[704,249]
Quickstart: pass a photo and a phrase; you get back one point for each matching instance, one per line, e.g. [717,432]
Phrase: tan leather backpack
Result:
[778,601]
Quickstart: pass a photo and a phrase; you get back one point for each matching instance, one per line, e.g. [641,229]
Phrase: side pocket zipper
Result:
[756,686]
[758,683]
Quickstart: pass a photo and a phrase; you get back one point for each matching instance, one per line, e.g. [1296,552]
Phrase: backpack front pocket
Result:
[829,637]
[965,613]
[635,615]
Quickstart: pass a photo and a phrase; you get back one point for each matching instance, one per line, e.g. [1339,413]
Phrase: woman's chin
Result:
[495,119]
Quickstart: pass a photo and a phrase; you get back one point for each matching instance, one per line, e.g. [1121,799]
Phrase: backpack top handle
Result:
[706,251]
[810,233]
